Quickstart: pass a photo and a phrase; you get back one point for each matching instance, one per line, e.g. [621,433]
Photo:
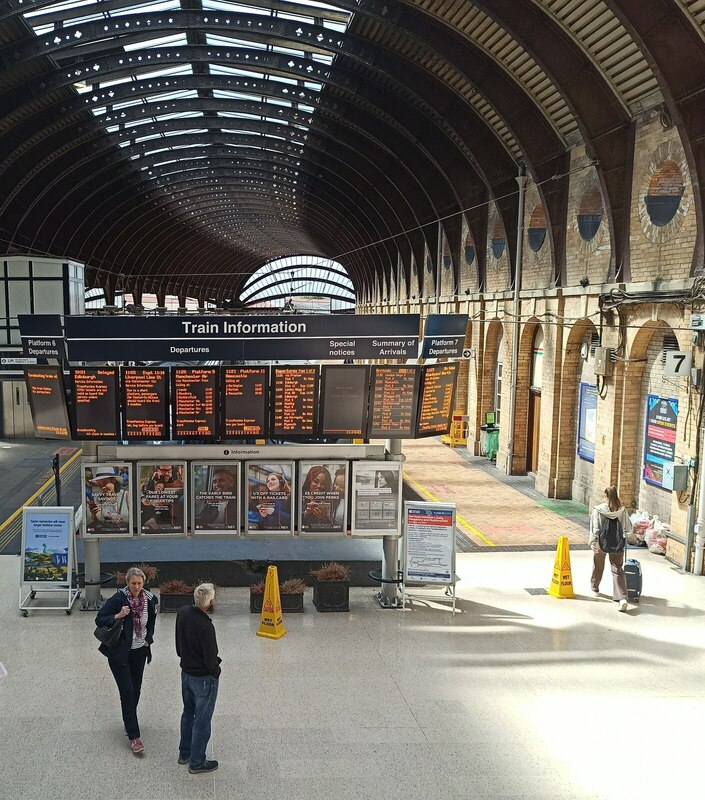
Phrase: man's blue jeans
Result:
[199,694]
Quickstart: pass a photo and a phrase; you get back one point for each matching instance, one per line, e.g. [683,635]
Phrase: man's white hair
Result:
[203,595]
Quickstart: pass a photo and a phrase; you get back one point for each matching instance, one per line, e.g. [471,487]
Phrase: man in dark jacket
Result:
[197,648]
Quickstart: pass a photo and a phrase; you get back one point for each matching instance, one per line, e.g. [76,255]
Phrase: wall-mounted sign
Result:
[323,498]
[444,336]
[587,421]
[215,492]
[162,499]
[270,501]
[677,364]
[659,437]
[107,509]
[256,338]
[376,504]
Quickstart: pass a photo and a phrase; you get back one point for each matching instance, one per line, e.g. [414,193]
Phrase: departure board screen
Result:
[96,413]
[195,402]
[393,402]
[145,404]
[47,401]
[295,399]
[345,391]
[437,397]
[245,393]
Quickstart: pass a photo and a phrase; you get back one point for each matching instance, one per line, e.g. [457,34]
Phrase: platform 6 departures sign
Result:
[660,437]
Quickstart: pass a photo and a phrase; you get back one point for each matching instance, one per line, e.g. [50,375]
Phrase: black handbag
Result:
[109,635]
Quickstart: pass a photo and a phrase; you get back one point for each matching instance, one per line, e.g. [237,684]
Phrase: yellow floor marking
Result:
[463,523]
[42,488]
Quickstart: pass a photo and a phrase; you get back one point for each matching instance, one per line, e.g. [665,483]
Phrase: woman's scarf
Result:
[137,605]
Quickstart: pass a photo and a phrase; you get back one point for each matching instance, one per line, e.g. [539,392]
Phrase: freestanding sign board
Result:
[48,554]
[660,437]
[429,545]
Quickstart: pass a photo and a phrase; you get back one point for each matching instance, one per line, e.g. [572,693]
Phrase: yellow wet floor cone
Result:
[562,581]
[271,624]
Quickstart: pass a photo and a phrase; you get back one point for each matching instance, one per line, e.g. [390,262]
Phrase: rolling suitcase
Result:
[632,569]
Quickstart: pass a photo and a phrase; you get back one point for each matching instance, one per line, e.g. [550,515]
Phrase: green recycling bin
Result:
[492,443]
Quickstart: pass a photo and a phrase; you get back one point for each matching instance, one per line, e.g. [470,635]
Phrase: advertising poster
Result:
[587,419]
[429,543]
[215,496]
[324,498]
[106,493]
[660,437]
[46,542]
[162,499]
[270,498]
[376,498]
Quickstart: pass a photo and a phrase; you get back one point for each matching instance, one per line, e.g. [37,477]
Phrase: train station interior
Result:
[482,223]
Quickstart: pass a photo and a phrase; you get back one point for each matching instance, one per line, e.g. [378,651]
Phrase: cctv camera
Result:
[585,281]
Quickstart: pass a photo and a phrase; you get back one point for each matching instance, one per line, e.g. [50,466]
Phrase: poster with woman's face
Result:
[106,500]
[376,498]
[162,499]
[215,495]
[324,498]
[269,497]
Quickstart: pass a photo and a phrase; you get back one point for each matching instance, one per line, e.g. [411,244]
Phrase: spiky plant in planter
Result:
[331,587]
[291,593]
[174,594]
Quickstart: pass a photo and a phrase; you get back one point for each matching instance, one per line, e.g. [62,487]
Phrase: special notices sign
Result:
[660,437]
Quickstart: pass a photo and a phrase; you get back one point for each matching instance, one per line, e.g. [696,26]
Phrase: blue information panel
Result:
[46,545]
[587,419]
[659,437]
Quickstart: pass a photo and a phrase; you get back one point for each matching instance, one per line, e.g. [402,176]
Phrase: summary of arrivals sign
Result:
[254,338]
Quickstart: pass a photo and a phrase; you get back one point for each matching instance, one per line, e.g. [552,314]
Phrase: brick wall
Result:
[659,252]
[537,269]
[498,269]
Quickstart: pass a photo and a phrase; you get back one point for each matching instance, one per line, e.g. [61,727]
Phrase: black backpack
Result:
[611,535]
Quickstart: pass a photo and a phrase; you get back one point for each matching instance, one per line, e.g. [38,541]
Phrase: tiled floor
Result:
[491,512]
[518,696]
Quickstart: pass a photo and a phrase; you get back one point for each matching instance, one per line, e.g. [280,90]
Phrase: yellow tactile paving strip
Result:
[489,512]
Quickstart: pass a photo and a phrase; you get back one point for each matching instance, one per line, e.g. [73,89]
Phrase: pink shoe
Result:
[136,745]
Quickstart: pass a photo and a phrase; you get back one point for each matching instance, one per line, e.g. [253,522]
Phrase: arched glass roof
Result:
[299,283]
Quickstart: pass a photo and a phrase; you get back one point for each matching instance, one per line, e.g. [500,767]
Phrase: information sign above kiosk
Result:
[96,402]
[145,403]
[255,338]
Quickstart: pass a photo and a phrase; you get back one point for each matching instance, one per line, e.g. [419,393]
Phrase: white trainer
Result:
[623,605]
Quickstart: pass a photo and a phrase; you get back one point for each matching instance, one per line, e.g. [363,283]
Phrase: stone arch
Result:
[495,347]
[574,478]
[521,416]
[641,377]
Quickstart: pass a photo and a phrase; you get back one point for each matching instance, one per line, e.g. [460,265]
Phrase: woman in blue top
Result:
[137,608]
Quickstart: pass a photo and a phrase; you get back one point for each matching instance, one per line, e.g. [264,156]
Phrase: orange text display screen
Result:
[295,396]
[245,402]
[195,402]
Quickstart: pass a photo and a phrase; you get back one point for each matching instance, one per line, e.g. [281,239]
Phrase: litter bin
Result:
[492,442]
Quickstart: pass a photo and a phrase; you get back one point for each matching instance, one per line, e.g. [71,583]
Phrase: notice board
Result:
[429,543]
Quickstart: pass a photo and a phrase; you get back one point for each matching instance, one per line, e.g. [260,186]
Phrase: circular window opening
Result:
[664,194]
[469,249]
[590,214]
[537,228]
[498,240]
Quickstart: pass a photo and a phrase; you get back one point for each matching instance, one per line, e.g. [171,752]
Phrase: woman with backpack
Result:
[609,525]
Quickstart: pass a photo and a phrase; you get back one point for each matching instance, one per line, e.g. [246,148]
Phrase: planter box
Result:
[291,603]
[331,595]
[171,603]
